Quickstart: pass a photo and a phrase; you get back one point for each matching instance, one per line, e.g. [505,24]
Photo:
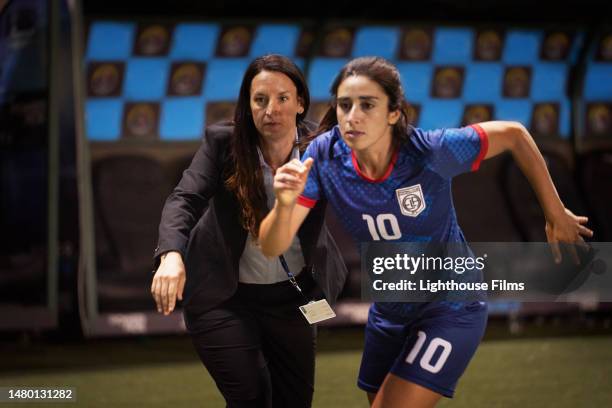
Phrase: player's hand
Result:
[569,229]
[290,179]
[168,282]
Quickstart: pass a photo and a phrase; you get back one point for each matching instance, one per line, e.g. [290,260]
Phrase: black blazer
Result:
[201,220]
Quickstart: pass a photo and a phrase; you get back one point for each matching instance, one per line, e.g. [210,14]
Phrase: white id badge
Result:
[318,311]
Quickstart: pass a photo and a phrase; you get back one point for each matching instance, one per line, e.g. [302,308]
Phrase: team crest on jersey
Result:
[411,200]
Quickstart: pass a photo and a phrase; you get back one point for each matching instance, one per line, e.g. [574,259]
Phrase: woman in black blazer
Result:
[239,307]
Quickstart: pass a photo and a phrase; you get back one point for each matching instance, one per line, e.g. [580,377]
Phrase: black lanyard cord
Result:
[292,277]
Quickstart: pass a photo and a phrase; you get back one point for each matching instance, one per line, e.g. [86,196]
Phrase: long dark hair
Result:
[245,177]
[385,74]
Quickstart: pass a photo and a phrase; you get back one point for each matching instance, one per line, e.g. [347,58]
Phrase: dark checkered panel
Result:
[454,76]
[168,81]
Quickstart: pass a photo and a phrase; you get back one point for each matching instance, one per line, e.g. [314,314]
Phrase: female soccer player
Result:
[366,154]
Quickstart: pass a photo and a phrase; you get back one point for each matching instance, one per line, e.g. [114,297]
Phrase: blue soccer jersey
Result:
[412,201]
[429,344]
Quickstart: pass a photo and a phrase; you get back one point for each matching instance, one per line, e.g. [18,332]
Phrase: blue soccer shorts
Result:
[431,348]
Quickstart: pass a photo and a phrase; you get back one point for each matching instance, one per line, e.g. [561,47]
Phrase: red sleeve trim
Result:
[484,146]
[306,202]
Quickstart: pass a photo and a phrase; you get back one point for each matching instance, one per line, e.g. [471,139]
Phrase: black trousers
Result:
[258,347]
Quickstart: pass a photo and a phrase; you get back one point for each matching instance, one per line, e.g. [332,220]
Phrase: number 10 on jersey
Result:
[385,226]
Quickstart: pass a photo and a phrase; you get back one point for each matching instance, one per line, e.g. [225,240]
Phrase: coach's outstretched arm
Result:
[278,229]
[561,224]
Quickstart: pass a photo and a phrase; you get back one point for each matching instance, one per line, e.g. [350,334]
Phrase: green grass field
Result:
[164,372]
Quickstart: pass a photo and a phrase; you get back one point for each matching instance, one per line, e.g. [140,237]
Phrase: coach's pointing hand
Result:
[168,282]
[290,179]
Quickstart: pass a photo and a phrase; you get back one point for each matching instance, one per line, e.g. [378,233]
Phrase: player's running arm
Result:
[278,229]
[561,224]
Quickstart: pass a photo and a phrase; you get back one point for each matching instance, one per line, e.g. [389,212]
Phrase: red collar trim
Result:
[384,176]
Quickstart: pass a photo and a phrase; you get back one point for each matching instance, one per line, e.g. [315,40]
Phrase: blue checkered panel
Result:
[322,73]
[522,47]
[453,79]
[223,78]
[416,80]
[564,118]
[483,82]
[598,82]
[380,41]
[194,42]
[181,118]
[146,79]
[549,82]
[275,39]
[441,114]
[110,41]
[301,64]
[453,45]
[596,104]
[516,110]
[549,85]
[103,118]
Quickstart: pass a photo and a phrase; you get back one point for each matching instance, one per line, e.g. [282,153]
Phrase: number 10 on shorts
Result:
[431,349]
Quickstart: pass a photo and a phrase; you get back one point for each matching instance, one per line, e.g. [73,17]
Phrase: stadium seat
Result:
[524,204]
[23,216]
[481,204]
[129,194]
[146,78]
[195,42]
[275,39]
[595,175]
[321,75]
[350,255]
[103,118]
[110,41]
[379,41]
[453,45]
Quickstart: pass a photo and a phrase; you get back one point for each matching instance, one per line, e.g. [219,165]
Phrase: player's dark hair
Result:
[385,74]
[245,177]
